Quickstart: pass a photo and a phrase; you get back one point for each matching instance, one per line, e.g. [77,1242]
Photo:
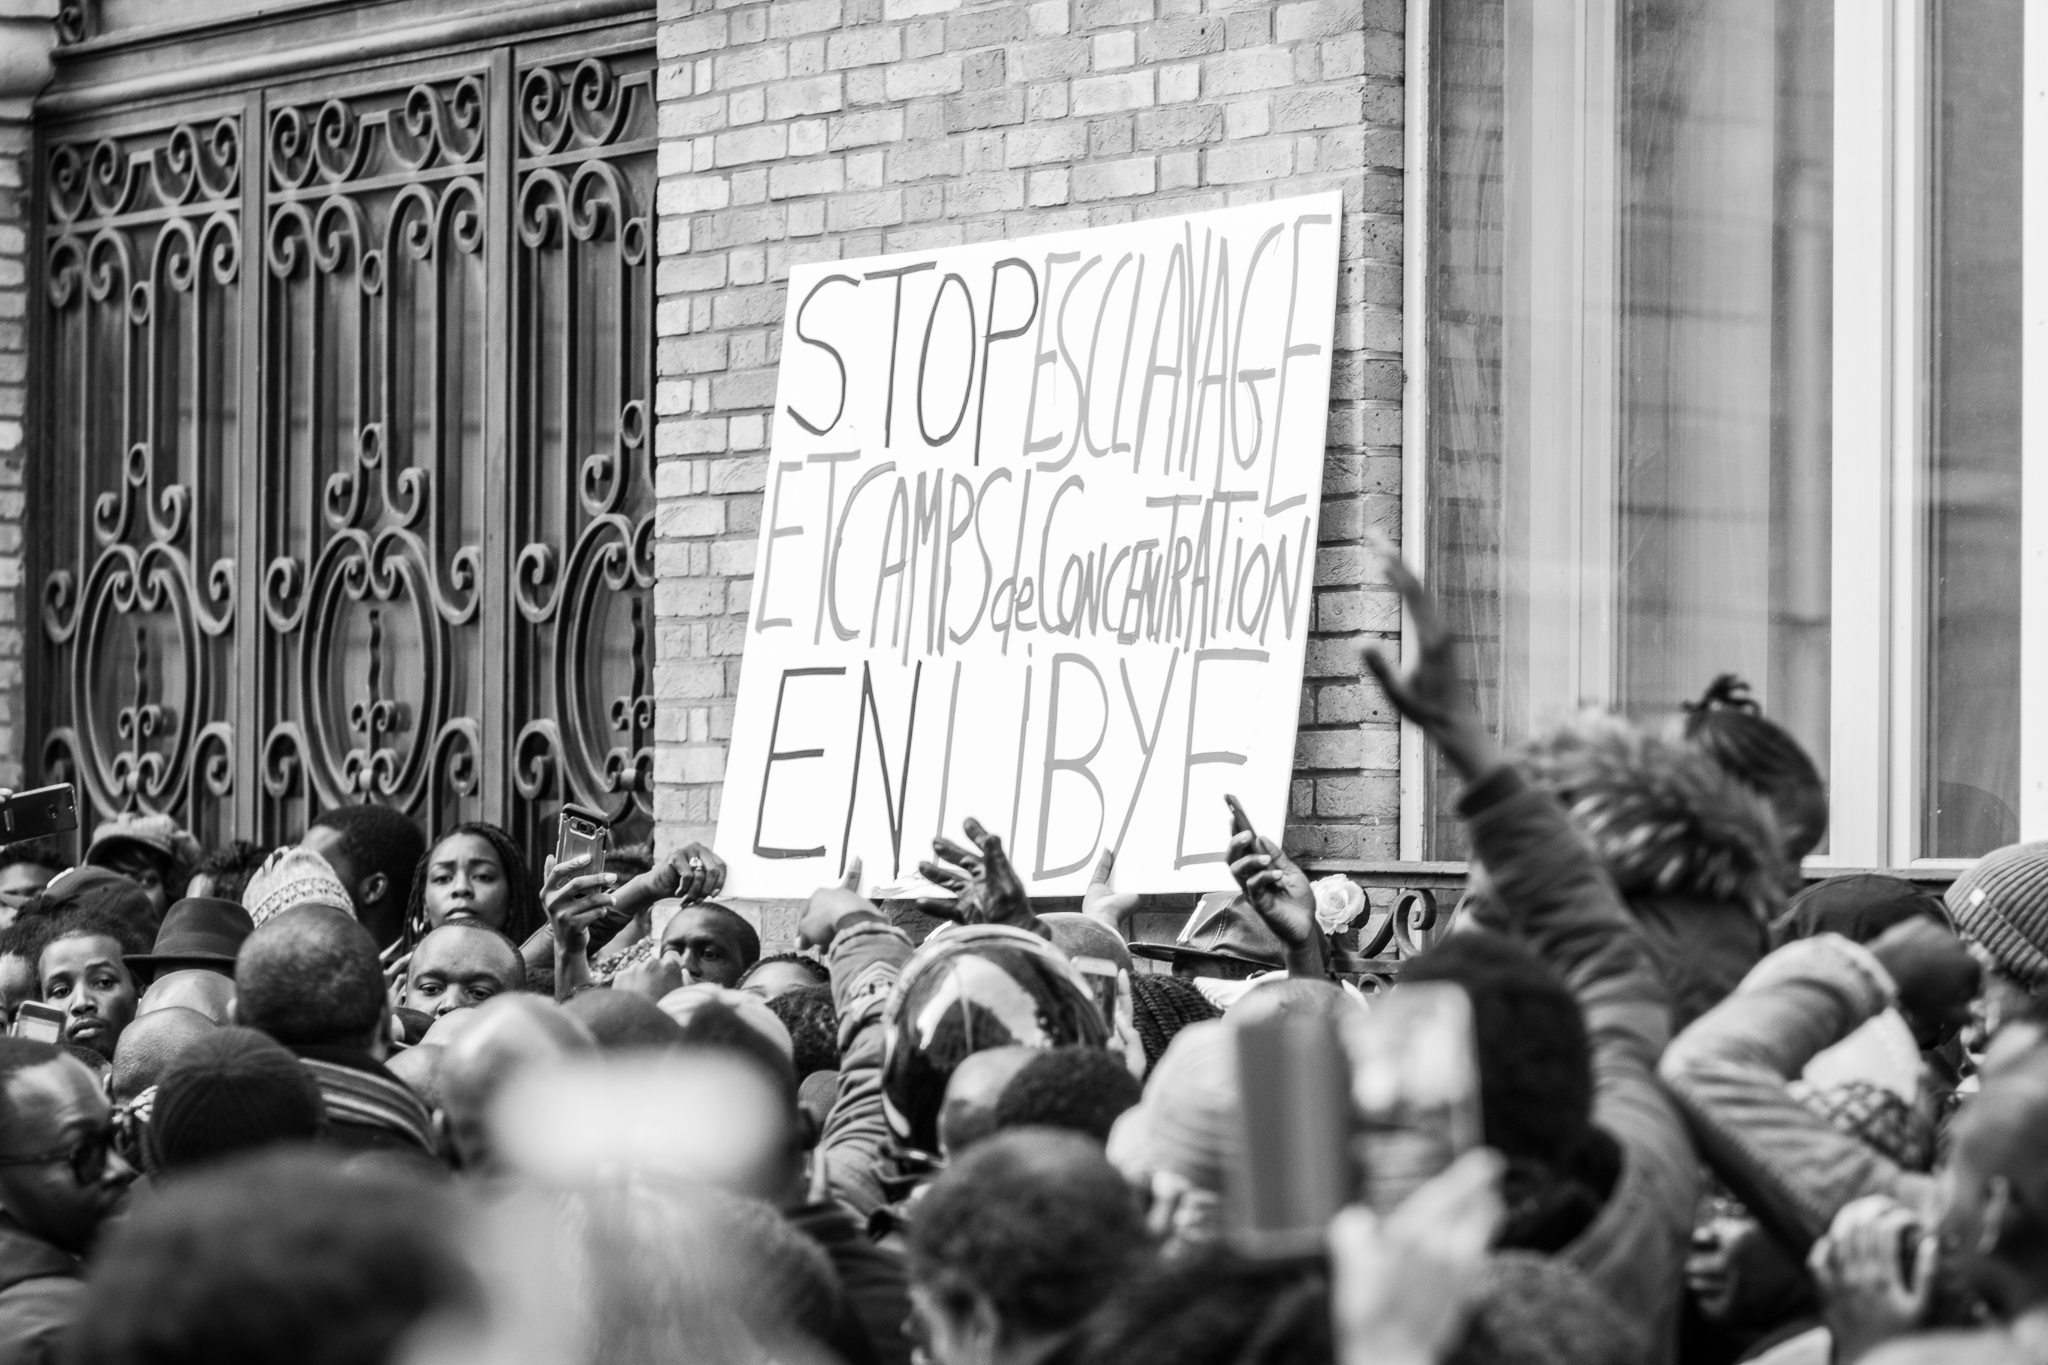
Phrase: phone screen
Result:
[44,1023]
[1415,1085]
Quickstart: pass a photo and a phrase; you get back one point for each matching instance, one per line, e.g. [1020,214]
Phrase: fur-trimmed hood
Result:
[1665,819]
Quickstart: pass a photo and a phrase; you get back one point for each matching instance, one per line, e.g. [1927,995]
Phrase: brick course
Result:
[807,130]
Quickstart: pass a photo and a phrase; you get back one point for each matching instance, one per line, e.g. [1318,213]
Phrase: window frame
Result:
[1881,435]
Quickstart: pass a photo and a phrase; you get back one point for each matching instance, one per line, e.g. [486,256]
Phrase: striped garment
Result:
[354,1095]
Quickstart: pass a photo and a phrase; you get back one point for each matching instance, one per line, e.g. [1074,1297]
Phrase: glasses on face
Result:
[87,1157]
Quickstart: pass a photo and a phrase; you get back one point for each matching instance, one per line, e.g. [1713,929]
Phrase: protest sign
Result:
[1037,546]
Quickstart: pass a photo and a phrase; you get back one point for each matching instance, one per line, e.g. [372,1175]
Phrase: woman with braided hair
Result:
[476,872]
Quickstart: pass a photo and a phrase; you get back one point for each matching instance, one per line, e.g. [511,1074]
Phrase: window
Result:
[1721,327]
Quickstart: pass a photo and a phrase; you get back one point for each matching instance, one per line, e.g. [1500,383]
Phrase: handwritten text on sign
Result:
[1037,546]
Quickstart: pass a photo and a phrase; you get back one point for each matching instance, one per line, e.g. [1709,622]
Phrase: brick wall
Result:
[806,130]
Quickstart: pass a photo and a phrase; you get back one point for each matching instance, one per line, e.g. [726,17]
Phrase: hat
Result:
[1188,1122]
[232,1090]
[1859,907]
[1077,935]
[684,1001]
[159,834]
[292,877]
[2000,902]
[96,888]
[199,931]
[1224,927]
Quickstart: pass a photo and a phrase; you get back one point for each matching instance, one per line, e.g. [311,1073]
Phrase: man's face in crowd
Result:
[779,978]
[458,967]
[706,944]
[465,880]
[145,870]
[83,975]
[56,1112]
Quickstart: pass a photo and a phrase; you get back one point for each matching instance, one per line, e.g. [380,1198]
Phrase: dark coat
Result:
[40,1296]
[873,1278]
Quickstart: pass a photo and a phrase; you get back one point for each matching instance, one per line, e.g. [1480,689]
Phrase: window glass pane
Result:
[1973,668]
[1726,121]
[1653,510]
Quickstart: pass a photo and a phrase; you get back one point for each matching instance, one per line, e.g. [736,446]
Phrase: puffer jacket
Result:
[1545,884]
[1731,1070]
[1695,854]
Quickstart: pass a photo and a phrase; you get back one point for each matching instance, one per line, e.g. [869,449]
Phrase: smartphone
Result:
[1099,975]
[1415,1087]
[38,812]
[34,1019]
[1295,1168]
[583,831]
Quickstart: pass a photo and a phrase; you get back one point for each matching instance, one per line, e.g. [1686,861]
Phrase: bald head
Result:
[199,989]
[977,1084]
[310,977]
[506,1036]
[459,966]
[623,1021]
[150,1044]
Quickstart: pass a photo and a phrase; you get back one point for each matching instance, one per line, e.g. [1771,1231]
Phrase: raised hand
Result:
[575,896]
[700,873]
[830,907]
[987,889]
[1279,891]
[1875,1272]
[1428,690]
[1102,902]
[1935,974]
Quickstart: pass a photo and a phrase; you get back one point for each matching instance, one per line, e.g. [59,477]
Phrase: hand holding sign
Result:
[988,890]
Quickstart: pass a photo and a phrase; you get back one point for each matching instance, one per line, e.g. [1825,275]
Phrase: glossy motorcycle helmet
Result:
[970,988]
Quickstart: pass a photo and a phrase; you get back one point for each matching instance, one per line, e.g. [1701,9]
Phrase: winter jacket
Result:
[1547,885]
[1695,854]
[1731,1070]
[856,1153]
[40,1296]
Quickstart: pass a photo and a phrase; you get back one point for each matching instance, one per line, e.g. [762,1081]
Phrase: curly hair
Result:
[1729,727]
[1036,1221]
[813,1025]
[1215,1308]
[523,912]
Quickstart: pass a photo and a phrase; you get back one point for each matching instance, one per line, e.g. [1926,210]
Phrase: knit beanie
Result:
[292,877]
[232,1090]
[2001,903]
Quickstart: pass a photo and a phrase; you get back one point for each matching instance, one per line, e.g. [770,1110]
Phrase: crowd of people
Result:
[372,1098]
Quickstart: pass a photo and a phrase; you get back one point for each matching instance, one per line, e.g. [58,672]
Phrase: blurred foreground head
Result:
[508,1036]
[286,1257]
[1993,1218]
[1017,1243]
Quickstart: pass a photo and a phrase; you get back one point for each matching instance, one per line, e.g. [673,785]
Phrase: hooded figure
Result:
[1695,854]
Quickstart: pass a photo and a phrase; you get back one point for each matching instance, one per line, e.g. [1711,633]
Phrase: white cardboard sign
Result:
[1037,546]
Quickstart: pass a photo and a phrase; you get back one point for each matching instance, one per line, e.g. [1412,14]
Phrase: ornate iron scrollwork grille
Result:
[346,463]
